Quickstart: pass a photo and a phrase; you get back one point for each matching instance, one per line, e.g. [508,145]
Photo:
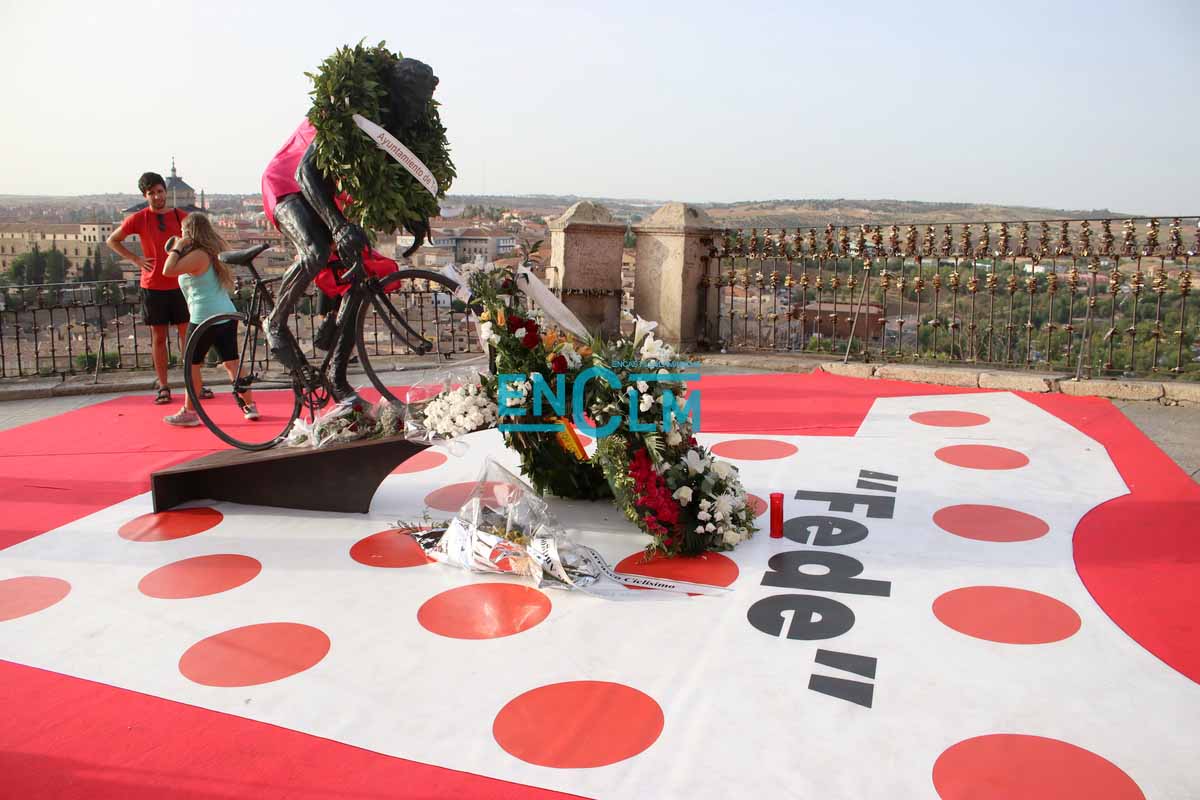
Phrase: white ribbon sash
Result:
[392,146]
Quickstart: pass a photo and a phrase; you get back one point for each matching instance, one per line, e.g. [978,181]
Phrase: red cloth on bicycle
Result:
[279,180]
[377,265]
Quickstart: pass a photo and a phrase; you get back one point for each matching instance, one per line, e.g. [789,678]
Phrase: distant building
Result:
[75,241]
[465,243]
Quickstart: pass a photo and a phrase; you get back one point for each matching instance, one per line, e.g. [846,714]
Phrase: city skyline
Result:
[940,103]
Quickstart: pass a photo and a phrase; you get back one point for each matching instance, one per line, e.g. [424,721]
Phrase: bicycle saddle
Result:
[242,258]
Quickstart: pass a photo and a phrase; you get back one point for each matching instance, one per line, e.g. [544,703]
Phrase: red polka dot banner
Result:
[909,587]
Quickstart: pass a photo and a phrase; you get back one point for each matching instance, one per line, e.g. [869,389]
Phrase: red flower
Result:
[514,323]
[358,408]
[531,338]
[558,363]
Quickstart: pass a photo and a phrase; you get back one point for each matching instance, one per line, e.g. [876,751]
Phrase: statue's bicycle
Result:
[308,388]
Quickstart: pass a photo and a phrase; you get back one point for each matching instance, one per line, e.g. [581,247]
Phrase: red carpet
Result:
[69,738]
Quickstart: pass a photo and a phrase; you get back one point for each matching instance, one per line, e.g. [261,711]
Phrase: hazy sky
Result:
[1063,104]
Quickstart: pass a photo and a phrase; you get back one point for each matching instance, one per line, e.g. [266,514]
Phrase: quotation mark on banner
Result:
[867,478]
[858,692]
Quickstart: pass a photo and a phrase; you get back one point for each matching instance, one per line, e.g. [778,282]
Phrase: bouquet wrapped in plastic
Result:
[505,528]
[347,421]
[447,404]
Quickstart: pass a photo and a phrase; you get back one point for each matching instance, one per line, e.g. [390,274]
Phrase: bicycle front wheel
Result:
[391,333]
[272,387]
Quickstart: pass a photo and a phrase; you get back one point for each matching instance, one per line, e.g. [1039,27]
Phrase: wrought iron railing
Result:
[75,328]
[1093,297]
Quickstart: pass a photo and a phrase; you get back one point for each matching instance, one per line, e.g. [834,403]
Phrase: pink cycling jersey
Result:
[279,179]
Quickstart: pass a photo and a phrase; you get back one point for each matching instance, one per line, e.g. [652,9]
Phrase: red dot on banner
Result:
[990,523]
[1007,615]
[753,449]
[578,725]
[949,419]
[757,504]
[254,654]
[166,525]
[713,569]
[484,611]
[200,576]
[1004,766]
[29,594]
[426,459]
[390,548]
[454,496]
[982,456]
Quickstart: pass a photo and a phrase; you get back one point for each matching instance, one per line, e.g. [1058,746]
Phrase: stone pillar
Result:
[585,265]
[673,247]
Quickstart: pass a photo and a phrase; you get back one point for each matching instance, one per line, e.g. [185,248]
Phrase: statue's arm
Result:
[319,190]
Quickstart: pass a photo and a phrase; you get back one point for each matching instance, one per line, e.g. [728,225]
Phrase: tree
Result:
[56,266]
[28,268]
[86,274]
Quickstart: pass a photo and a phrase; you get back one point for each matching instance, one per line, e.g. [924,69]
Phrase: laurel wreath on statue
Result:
[385,197]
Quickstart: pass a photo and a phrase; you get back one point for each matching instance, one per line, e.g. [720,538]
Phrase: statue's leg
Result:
[311,239]
[343,348]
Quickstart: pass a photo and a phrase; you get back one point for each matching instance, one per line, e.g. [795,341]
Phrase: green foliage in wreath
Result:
[354,80]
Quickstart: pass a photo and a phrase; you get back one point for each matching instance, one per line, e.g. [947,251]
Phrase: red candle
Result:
[776,515]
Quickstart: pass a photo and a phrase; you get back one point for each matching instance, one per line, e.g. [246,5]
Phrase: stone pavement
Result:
[1166,412]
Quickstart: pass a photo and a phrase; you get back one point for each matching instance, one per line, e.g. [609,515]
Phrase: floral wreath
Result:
[667,484]
[354,80]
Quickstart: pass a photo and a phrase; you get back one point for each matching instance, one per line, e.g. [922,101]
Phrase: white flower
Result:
[664,372]
[683,494]
[704,516]
[643,387]
[642,328]
[722,468]
[731,537]
[674,438]
[695,462]
[655,350]
[710,527]
[699,529]
[646,402]
[724,506]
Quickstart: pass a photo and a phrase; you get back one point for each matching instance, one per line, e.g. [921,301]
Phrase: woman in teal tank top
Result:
[206,283]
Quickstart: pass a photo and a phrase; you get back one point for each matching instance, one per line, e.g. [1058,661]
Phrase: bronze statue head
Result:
[411,84]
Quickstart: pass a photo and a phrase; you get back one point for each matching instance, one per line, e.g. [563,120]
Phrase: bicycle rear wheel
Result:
[274,389]
[398,335]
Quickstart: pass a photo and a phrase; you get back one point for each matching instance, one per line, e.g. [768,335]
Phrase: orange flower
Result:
[485,316]
[549,338]
[584,351]
[500,320]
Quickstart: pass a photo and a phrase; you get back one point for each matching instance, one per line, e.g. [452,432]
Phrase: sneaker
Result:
[183,419]
[250,411]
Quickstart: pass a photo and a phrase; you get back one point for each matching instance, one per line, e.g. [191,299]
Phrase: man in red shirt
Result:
[163,304]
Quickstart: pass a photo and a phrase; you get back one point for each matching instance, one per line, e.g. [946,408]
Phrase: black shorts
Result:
[223,337]
[164,307]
